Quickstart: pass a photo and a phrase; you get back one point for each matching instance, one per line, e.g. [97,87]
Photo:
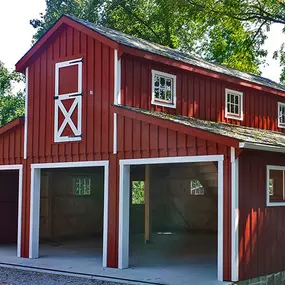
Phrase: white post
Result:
[106,205]
[220,219]
[35,212]
[20,204]
[124,216]
[235,215]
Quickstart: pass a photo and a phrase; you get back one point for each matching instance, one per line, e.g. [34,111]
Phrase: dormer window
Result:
[163,89]
[234,105]
[281,115]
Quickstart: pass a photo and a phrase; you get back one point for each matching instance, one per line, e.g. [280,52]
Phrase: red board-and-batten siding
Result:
[197,95]
[97,120]
[261,228]
[11,143]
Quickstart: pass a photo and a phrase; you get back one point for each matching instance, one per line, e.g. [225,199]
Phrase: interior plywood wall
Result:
[66,215]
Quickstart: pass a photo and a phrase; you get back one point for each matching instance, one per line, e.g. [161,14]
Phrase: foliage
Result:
[137,192]
[207,30]
[11,105]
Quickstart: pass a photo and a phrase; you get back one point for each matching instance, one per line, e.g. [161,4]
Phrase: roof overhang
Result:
[61,22]
[11,125]
[262,147]
[120,110]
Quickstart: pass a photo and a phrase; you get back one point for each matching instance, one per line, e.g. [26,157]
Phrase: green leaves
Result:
[11,105]
[229,32]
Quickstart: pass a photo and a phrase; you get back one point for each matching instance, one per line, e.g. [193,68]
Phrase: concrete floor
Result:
[169,259]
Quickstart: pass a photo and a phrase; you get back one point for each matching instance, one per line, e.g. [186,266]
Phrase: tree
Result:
[11,105]
[180,24]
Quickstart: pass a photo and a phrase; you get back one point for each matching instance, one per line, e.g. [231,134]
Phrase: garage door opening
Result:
[174,233]
[10,223]
[68,216]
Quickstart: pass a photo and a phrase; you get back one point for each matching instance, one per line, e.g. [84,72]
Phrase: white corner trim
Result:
[163,103]
[117,96]
[35,201]
[228,115]
[263,147]
[115,138]
[268,168]
[18,167]
[26,115]
[235,216]
[124,202]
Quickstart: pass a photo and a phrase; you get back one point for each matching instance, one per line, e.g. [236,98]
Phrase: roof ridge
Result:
[184,56]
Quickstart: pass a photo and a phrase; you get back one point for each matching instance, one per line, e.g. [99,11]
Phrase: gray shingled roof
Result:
[147,46]
[240,133]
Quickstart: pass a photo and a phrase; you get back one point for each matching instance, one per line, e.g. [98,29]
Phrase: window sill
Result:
[275,204]
[158,103]
[232,117]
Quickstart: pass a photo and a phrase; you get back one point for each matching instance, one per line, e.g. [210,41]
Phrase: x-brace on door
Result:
[68,101]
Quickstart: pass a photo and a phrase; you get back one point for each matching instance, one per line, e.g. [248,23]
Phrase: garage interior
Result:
[174,219]
[9,192]
[71,213]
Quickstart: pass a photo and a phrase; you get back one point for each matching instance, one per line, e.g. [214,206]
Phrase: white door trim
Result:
[18,167]
[35,201]
[124,202]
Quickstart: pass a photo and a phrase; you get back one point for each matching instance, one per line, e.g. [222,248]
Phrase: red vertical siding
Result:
[197,95]
[261,230]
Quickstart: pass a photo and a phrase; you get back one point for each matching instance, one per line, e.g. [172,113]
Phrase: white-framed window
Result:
[163,89]
[234,105]
[196,188]
[82,186]
[275,185]
[281,115]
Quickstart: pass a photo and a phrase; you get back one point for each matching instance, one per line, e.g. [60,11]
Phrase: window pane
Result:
[233,98]
[237,99]
[275,185]
[232,109]
[162,94]
[236,110]
[156,81]
[162,81]
[156,92]
[137,192]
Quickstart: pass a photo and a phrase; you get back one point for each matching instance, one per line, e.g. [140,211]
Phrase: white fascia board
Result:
[263,147]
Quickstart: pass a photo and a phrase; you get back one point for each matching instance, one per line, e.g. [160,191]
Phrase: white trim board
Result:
[263,147]
[18,167]
[235,215]
[124,202]
[26,115]
[35,201]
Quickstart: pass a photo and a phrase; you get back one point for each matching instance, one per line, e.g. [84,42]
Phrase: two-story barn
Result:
[175,163]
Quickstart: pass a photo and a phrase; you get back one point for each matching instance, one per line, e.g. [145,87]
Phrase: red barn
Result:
[142,156]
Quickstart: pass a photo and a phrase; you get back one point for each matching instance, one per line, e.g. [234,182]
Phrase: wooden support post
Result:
[147,204]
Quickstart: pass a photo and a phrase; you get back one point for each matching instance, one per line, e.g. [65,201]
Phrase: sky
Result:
[16,34]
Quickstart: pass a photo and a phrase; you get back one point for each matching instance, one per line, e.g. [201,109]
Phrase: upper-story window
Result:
[163,89]
[281,115]
[234,105]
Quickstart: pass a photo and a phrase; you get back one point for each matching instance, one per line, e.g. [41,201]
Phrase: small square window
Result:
[163,89]
[234,105]
[275,186]
[196,188]
[82,186]
[281,115]
[137,192]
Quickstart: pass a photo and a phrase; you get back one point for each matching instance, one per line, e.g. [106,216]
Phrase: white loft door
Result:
[68,101]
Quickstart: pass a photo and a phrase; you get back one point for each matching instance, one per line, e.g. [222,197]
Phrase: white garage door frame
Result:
[18,167]
[124,202]
[35,201]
